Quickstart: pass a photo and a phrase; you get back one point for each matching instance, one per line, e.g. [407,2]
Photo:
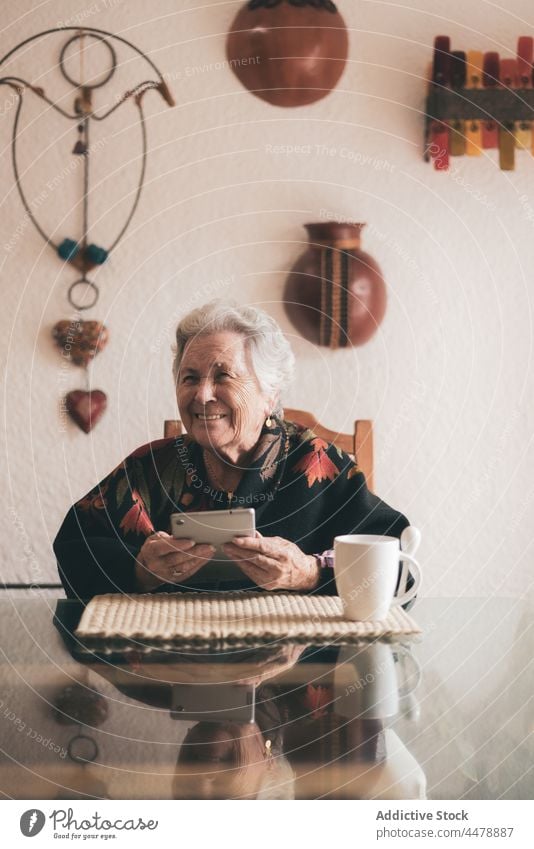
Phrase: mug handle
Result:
[405,653]
[417,574]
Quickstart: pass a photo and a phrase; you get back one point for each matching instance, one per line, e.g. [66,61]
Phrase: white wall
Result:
[448,377]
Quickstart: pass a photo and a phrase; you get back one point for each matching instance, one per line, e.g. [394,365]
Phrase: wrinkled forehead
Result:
[209,350]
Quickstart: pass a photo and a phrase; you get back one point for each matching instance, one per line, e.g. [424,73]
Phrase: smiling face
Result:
[220,400]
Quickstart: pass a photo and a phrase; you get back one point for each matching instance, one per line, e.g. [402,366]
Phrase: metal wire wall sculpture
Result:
[79,340]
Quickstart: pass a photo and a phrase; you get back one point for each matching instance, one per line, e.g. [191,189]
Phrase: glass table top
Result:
[447,716]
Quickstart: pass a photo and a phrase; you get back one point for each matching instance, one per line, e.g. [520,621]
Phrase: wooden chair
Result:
[359,444]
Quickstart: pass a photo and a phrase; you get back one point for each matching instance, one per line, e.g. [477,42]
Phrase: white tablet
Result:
[214,527]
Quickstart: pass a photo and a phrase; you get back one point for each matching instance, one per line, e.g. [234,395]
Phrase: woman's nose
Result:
[205,391]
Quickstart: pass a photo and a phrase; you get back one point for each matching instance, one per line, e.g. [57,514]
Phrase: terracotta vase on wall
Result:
[335,294]
[286,52]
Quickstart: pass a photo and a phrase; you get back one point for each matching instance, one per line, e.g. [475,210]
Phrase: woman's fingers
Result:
[274,547]
[261,577]
[274,563]
[166,547]
[163,545]
[177,558]
[262,568]
[167,562]
[185,565]
[257,543]
[163,559]
[249,547]
[243,556]
[266,574]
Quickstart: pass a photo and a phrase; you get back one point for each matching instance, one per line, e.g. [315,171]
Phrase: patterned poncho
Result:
[301,488]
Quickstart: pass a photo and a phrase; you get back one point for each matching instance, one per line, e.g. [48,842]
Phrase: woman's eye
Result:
[188,379]
[223,374]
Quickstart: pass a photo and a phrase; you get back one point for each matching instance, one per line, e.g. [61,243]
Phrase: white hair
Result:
[273,360]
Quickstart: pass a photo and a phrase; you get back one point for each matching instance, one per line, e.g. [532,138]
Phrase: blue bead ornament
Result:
[68,249]
[93,253]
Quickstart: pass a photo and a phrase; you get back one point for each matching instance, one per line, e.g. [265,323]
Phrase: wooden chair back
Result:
[358,444]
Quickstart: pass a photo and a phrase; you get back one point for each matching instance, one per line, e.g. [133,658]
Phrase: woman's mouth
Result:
[212,417]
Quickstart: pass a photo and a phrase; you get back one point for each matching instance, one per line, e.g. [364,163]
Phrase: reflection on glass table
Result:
[448,716]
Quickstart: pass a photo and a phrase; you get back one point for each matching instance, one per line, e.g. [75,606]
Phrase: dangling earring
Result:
[268,749]
[269,422]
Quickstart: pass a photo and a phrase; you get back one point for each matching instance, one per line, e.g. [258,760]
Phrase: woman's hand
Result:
[274,563]
[166,560]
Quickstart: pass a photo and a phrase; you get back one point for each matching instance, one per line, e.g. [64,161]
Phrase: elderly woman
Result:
[231,365]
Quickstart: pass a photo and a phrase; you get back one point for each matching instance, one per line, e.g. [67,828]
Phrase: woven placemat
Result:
[235,618]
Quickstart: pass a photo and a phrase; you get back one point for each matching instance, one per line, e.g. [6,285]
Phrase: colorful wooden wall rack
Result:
[478,101]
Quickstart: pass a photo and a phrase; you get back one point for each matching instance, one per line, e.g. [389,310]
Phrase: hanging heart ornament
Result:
[80,341]
[86,408]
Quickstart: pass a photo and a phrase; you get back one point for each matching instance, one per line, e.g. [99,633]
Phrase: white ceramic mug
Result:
[369,687]
[366,680]
[367,570]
